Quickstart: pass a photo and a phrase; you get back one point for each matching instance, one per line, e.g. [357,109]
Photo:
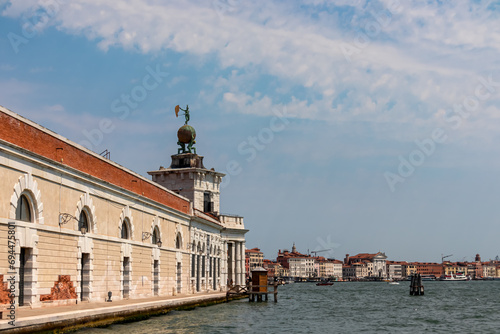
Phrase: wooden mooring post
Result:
[416,287]
[259,293]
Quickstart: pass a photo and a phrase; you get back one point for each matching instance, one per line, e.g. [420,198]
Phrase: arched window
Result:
[155,237]
[83,222]
[178,241]
[23,210]
[125,230]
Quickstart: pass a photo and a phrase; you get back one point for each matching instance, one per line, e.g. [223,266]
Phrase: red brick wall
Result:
[30,138]
[4,291]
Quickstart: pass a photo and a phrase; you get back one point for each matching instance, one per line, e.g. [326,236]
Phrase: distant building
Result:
[395,269]
[428,268]
[375,263]
[337,269]
[355,271]
[298,265]
[324,267]
[408,269]
[274,269]
[329,268]
[489,270]
[301,267]
[453,268]
[255,258]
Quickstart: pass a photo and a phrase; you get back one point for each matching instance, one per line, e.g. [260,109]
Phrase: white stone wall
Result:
[192,184]
[57,249]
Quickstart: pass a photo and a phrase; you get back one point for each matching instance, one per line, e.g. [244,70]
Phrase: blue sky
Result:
[353,126]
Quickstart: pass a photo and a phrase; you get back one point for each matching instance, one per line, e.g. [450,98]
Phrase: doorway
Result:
[85,277]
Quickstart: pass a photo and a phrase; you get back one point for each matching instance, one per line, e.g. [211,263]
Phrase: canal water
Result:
[345,307]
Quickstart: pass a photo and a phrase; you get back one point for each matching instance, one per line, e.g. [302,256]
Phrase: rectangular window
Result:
[179,277]
[126,277]
[193,265]
[85,277]
[208,205]
[156,278]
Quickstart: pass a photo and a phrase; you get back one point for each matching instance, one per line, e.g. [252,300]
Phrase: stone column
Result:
[232,278]
[198,274]
[237,263]
[223,264]
[242,263]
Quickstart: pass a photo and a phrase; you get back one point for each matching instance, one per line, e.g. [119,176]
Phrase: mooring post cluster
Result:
[416,287]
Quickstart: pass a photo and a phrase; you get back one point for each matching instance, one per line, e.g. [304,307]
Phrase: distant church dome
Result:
[186,133]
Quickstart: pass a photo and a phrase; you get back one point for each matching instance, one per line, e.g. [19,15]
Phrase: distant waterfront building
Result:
[255,259]
[408,269]
[355,271]
[297,264]
[453,268]
[395,269]
[84,226]
[489,270]
[301,267]
[428,268]
[274,269]
[337,269]
[324,268]
[348,272]
[329,268]
[474,270]
[375,263]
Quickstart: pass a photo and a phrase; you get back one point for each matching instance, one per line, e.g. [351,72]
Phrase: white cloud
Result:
[425,55]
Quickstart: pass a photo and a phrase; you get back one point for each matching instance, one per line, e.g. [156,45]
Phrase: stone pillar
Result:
[237,263]
[232,278]
[198,274]
[223,265]
[242,263]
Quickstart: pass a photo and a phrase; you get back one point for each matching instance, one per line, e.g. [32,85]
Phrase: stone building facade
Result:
[255,259]
[75,226]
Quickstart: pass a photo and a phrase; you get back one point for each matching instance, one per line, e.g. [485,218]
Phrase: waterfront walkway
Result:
[102,313]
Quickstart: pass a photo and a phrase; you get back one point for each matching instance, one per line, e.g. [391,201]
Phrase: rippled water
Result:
[446,307]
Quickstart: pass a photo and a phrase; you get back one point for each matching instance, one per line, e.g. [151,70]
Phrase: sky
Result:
[343,126]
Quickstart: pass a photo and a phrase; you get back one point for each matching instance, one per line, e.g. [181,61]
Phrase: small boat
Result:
[394,283]
[324,283]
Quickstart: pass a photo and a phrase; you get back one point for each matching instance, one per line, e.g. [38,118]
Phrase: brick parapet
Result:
[25,134]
